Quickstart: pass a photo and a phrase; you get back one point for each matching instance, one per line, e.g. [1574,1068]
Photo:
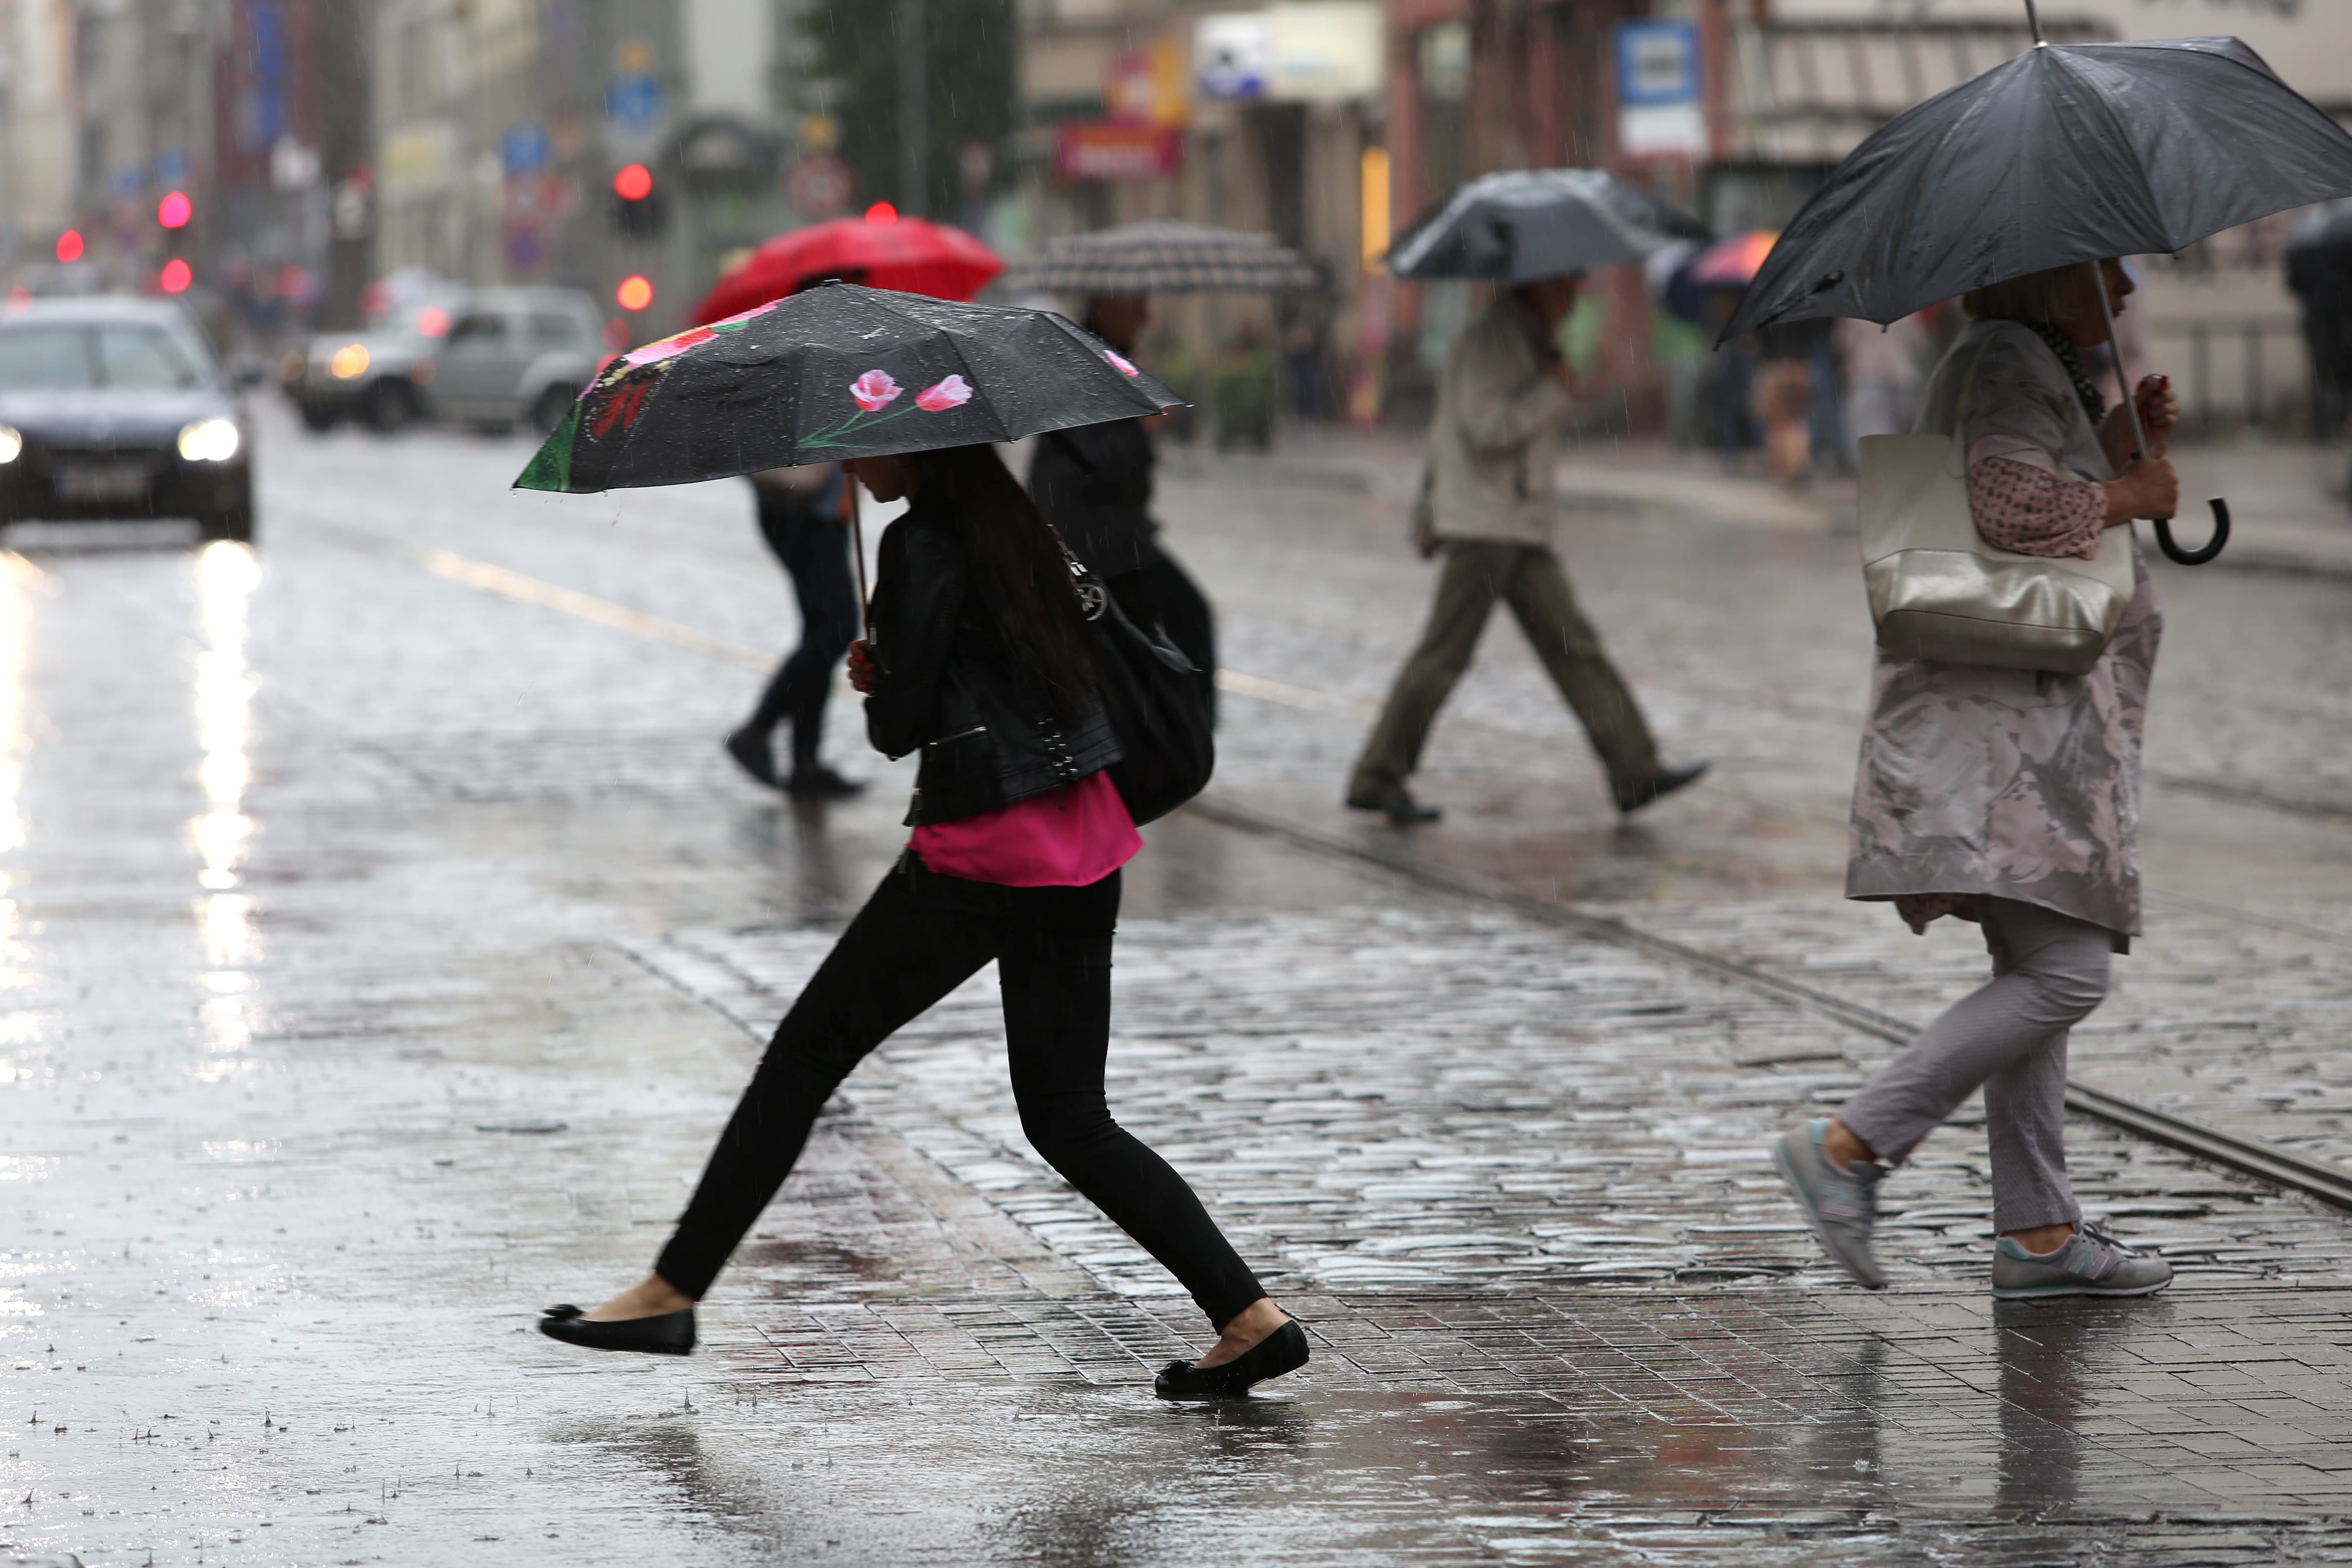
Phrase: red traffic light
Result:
[881,212]
[633,183]
[174,210]
[636,292]
[69,246]
[176,277]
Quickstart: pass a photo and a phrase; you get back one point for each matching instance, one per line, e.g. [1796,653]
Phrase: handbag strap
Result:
[1968,395]
[1093,596]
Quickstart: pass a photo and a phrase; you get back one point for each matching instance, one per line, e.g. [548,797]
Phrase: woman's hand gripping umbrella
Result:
[2067,154]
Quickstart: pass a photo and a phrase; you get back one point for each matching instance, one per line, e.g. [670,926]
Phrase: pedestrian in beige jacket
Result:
[1488,506]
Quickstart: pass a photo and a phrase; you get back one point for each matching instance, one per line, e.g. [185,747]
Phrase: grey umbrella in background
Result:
[1163,258]
[2070,152]
[1524,224]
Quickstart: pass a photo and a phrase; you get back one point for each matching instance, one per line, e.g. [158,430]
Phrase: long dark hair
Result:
[1017,568]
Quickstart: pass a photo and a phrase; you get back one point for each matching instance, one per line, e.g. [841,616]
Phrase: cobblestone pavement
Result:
[386,937]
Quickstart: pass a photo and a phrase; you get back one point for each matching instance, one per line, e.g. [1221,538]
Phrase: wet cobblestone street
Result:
[386,936]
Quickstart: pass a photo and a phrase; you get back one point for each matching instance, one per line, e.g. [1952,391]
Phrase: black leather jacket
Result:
[945,684]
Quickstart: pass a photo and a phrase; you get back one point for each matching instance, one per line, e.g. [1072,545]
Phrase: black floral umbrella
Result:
[837,372]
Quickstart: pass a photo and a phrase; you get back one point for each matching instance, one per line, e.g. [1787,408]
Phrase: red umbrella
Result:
[881,251]
[1734,261]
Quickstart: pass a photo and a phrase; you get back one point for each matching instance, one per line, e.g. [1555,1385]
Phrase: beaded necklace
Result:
[2094,402]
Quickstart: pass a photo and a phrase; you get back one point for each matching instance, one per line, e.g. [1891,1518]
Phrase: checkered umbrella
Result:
[1164,259]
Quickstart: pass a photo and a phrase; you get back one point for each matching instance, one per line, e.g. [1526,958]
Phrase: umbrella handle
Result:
[858,554]
[2206,552]
[2164,540]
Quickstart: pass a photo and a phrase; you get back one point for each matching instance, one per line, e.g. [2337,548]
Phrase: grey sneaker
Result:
[2091,1264]
[1841,1205]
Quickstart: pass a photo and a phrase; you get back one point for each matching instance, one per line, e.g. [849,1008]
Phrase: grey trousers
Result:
[1527,578]
[2009,1036]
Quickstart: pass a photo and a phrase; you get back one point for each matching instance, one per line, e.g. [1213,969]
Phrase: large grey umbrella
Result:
[2068,154]
[1524,224]
[1164,258]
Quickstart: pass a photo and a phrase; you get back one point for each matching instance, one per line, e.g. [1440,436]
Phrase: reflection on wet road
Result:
[322,861]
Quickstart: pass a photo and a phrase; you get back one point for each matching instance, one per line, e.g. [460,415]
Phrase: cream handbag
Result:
[1937,590]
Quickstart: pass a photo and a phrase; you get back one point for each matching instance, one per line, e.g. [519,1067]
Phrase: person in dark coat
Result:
[982,661]
[1094,483]
[801,517]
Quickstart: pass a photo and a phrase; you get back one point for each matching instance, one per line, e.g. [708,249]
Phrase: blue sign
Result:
[172,169]
[1657,64]
[523,149]
[635,102]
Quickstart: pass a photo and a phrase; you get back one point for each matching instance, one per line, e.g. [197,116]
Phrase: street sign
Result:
[635,102]
[1325,51]
[1109,150]
[524,148]
[1229,55]
[1659,87]
[818,186]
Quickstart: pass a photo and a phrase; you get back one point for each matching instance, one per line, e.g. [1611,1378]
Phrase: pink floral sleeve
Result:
[2034,513]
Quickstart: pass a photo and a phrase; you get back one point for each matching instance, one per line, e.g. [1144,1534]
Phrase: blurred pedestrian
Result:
[2319,271]
[1094,483]
[1791,395]
[2009,797]
[1879,367]
[1488,506]
[803,517]
[982,660]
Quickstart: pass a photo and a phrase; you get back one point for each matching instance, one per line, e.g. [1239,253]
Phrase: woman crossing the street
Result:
[980,659]
[2009,797]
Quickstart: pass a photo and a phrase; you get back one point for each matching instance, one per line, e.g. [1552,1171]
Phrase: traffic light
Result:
[636,292]
[639,210]
[174,210]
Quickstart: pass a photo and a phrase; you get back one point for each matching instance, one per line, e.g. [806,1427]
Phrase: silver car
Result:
[378,376]
[518,355]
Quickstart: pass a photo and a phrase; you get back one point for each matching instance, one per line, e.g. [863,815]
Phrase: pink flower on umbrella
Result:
[875,390]
[952,393]
[669,347]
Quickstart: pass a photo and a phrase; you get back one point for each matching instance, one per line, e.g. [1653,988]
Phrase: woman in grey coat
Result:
[2009,797]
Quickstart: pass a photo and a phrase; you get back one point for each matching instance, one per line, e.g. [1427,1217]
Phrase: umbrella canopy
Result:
[1164,259]
[1525,224]
[838,372]
[884,252]
[2069,152]
[1733,263]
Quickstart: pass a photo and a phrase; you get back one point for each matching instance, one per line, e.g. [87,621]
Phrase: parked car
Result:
[519,355]
[116,407]
[378,376]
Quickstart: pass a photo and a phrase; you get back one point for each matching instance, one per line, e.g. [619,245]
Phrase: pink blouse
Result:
[1069,838]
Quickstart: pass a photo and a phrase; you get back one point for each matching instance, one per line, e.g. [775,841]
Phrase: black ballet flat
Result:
[1285,1349]
[669,1333]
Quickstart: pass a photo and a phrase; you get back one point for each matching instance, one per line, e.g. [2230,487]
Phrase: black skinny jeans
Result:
[919,937]
[811,542]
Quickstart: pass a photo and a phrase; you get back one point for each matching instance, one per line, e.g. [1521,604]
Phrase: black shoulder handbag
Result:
[1157,702]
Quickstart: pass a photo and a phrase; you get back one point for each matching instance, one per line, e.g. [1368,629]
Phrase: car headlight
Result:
[350,363]
[209,441]
[11,444]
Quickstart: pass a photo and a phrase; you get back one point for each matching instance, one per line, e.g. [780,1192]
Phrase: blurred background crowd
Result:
[289,167]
